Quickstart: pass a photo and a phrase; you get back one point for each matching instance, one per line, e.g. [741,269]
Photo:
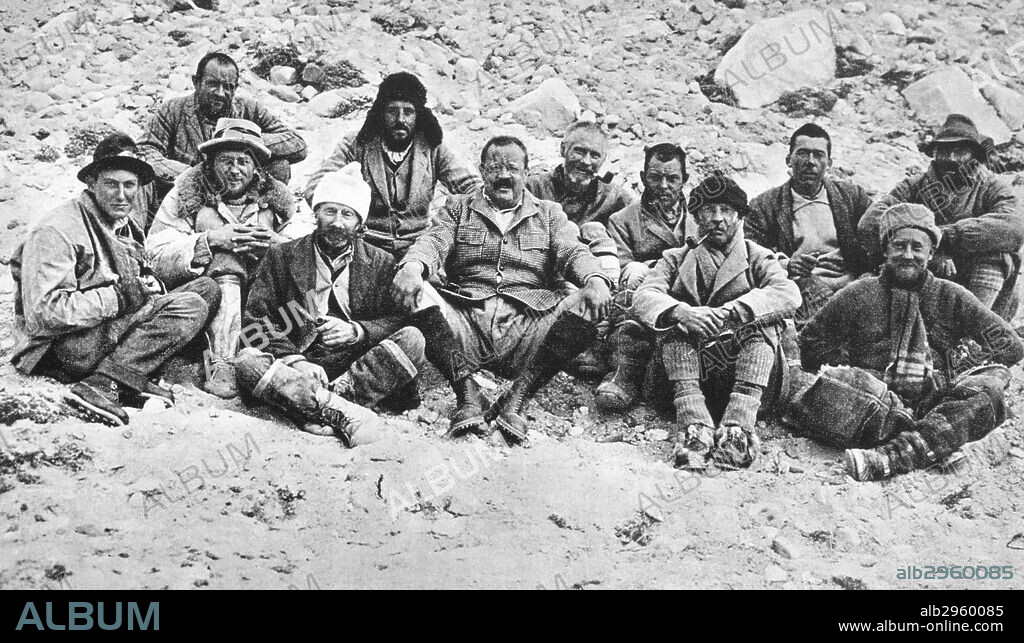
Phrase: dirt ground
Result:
[211,494]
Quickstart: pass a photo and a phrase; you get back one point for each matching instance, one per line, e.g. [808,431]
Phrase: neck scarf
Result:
[910,368]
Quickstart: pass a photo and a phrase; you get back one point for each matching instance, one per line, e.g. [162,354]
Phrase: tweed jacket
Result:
[526,263]
[430,165]
[286,279]
[984,219]
[641,235]
[178,236]
[172,137]
[598,202]
[751,277]
[65,272]
[770,222]
[851,329]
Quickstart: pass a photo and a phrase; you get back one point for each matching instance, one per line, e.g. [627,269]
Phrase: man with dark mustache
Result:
[172,137]
[505,254]
[981,218]
[347,337]
[812,220]
[898,398]
[642,232]
[401,151]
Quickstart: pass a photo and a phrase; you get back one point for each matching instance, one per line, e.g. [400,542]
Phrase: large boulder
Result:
[949,91]
[780,55]
[552,107]
[1009,104]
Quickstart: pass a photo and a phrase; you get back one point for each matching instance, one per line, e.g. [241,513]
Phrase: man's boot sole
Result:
[94,412]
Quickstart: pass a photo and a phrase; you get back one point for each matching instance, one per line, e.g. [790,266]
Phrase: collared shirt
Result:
[396,158]
[332,277]
[504,216]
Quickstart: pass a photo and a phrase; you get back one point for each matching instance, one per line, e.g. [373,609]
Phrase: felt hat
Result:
[718,188]
[117,151]
[958,129]
[231,132]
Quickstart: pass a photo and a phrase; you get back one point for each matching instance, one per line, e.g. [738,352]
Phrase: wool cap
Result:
[908,215]
[345,187]
[718,188]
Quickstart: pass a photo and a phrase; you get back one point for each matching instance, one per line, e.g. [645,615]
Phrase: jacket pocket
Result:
[533,241]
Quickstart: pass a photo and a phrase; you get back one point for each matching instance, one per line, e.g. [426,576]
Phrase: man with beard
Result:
[694,294]
[320,324]
[895,394]
[403,157]
[980,217]
[87,306]
[642,232]
[218,221]
[812,219]
[174,134]
[505,253]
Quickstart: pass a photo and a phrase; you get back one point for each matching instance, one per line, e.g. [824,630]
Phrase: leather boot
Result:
[223,333]
[299,394]
[442,349]
[621,388]
[568,336]
[376,375]
[736,443]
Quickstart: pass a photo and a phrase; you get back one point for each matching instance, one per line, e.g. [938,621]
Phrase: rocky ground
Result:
[211,494]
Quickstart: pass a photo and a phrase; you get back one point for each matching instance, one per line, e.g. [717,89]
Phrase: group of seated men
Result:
[188,242]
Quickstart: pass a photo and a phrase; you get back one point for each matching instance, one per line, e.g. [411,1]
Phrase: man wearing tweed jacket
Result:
[504,252]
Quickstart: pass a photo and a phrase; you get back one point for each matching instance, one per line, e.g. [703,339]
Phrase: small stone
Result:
[37,101]
[656,435]
[855,8]
[611,121]
[281,75]
[552,106]
[669,117]
[467,70]
[783,547]
[775,574]
[893,23]
[284,93]
[480,123]
[105,42]
[308,92]
[313,73]
[695,155]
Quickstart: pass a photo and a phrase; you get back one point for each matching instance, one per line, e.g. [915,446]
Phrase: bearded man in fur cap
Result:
[402,156]
[218,221]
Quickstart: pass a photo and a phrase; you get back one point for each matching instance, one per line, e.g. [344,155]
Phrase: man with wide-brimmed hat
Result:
[402,154]
[980,217]
[218,221]
[920,363]
[88,307]
[690,299]
[180,126]
[320,323]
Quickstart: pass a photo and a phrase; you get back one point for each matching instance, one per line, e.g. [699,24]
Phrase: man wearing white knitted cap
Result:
[324,340]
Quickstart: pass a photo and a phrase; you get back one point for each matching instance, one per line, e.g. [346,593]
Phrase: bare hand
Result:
[633,275]
[408,284]
[152,284]
[257,240]
[802,266]
[596,298]
[309,368]
[229,236]
[700,320]
[337,332]
[943,266]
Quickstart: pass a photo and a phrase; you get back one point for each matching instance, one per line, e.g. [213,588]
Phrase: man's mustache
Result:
[501,184]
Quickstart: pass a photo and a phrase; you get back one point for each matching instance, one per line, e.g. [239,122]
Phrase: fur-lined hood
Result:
[196,189]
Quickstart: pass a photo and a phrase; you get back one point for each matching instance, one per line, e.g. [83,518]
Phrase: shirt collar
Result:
[338,263]
[395,157]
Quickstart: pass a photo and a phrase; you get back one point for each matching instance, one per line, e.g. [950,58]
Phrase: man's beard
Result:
[578,178]
[395,145]
[663,204]
[334,242]
[207,108]
[954,173]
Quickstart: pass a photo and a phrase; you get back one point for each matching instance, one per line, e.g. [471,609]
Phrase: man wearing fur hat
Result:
[88,307]
[401,151]
[690,297]
[899,394]
[218,221]
[505,254]
[980,217]
[320,323]
[180,126]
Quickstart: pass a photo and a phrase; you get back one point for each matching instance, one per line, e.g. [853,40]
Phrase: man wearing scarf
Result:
[980,217]
[642,232]
[324,339]
[218,220]
[898,393]
[401,151]
[88,307]
[694,294]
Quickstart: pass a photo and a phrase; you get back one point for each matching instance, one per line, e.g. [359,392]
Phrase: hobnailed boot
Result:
[223,333]
[736,443]
[469,412]
[378,374]
[295,392]
[621,388]
[100,397]
[568,336]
